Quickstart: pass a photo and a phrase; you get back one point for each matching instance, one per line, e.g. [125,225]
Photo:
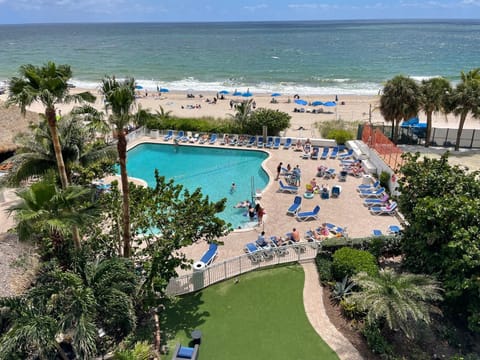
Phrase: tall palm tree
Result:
[396,298]
[399,101]
[120,98]
[43,208]
[433,98]
[47,84]
[243,111]
[466,99]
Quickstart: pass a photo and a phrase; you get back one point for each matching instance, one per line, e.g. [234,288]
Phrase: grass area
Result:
[260,317]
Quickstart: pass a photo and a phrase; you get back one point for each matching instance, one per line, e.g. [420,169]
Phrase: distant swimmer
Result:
[243,204]
[232,188]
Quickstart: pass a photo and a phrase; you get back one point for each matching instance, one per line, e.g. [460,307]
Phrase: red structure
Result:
[388,151]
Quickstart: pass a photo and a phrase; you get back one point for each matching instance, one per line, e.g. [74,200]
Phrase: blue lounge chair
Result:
[213,139]
[336,190]
[269,142]
[376,232]
[329,174]
[210,254]
[334,153]
[390,209]
[373,186]
[260,142]
[179,136]
[276,143]
[251,141]
[324,155]
[347,155]
[394,229]
[184,352]
[254,252]
[378,193]
[337,230]
[309,215]
[315,151]
[287,188]
[296,206]
[376,202]
[288,143]
[169,135]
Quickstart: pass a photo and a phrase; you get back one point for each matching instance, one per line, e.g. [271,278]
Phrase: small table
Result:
[196,337]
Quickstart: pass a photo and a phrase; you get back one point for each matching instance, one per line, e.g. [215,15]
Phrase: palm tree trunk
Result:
[429,129]
[122,155]
[463,117]
[52,124]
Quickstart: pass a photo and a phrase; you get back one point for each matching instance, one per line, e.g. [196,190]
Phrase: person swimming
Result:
[243,204]
[232,188]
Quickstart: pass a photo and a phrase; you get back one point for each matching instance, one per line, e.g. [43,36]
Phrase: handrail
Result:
[199,279]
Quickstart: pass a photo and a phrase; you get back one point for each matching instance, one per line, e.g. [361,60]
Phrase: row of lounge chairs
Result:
[259,252]
[376,199]
[392,230]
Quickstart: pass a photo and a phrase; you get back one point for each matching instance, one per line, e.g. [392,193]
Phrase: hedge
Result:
[348,261]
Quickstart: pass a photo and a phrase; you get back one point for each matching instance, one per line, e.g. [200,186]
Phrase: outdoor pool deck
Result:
[345,211]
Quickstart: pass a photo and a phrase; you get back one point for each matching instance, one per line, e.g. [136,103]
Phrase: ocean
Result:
[314,57]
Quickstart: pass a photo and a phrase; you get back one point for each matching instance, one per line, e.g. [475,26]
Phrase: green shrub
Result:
[384,179]
[341,136]
[375,340]
[274,120]
[325,127]
[350,310]
[324,268]
[348,262]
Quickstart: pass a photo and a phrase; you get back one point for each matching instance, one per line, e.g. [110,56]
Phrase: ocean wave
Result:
[420,78]
[288,88]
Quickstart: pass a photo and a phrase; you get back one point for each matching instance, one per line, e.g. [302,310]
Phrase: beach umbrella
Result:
[138,87]
[164,90]
[247,94]
[301,102]
[223,92]
[237,93]
[317,103]
[276,94]
[330,103]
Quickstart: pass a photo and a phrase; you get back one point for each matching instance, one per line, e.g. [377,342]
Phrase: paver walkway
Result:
[315,310]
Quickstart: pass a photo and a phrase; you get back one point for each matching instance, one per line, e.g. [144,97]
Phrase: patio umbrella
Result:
[237,93]
[301,102]
[224,92]
[138,87]
[276,94]
[330,103]
[247,94]
[317,103]
[164,90]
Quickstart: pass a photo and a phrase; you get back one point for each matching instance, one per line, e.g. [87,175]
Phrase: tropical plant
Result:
[348,261]
[141,351]
[45,209]
[466,99]
[342,289]
[274,120]
[243,112]
[120,98]
[398,299]
[433,98]
[399,101]
[49,85]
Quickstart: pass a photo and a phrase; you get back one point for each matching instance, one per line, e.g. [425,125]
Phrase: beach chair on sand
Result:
[324,155]
[334,153]
[269,142]
[347,155]
[394,229]
[290,189]
[288,143]
[279,250]
[377,232]
[213,139]
[376,202]
[251,141]
[260,142]
[296,206]
[276,143]
[314,154]
[309,215]
[169,135]
[373,186]
[378,193]
[254,252]
[210,254]
[329,174]
[390,209]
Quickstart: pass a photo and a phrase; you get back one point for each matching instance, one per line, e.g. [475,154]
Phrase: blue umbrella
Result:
[301,102]
[164,90]
[317,103]
[330,103]
[276,94]
[223,92]
[138,87]
[247,94]
[237,93]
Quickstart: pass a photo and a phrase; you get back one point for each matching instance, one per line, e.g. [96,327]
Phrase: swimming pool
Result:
[212,169]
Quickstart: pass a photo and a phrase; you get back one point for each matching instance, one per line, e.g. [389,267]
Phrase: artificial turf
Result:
[260,316]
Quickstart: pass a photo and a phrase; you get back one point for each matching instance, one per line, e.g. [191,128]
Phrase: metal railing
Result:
[135,134]
[230,268]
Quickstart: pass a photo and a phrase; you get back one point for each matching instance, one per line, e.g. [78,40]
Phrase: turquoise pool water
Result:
[211,169]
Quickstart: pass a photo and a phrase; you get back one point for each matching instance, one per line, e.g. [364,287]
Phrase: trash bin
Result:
[197,276]
[367,179]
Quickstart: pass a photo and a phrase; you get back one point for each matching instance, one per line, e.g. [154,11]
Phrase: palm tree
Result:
[120,98]
[49,85]
[433,98]
[43,208]
[396,298]
[399,101]
[243,111]
[466,99]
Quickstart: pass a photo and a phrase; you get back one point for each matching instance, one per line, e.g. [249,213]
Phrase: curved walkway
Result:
[315,310]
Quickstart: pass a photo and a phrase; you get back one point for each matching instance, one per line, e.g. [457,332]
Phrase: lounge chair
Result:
[329,174]
[279,250]
[254,252]
[378,193]
[347,155]
[233,141]
[225,139]
[334,153]
[336,190]
[394,229]
[169,135]
[276,143]
[342,176]
[213,139]
[309,215]
[179,136]
[210,254]
[288,143]
[337,230]
[287,188]
[376,232]
[184,352]
[295,207]
[260,142]
[373,186]
[390,209]
[315,151]
[269,142]
[324,155]
[251,141]
[376,202]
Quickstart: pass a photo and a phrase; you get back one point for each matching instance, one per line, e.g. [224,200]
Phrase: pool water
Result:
[211,169]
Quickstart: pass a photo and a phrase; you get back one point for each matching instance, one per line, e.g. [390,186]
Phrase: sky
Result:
[66,11]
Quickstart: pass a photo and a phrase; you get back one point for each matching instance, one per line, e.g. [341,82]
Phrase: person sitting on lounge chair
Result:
[298,146]
[314,185]
[261,239]
[295,235]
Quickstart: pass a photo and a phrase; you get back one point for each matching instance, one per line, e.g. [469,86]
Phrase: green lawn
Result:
[260,317]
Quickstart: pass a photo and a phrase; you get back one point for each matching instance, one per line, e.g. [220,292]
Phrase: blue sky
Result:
[47,11]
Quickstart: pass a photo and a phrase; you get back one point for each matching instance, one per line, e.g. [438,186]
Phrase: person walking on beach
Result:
[279,170]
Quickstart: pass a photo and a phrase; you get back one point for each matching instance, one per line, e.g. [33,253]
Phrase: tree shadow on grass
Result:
[182,314]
